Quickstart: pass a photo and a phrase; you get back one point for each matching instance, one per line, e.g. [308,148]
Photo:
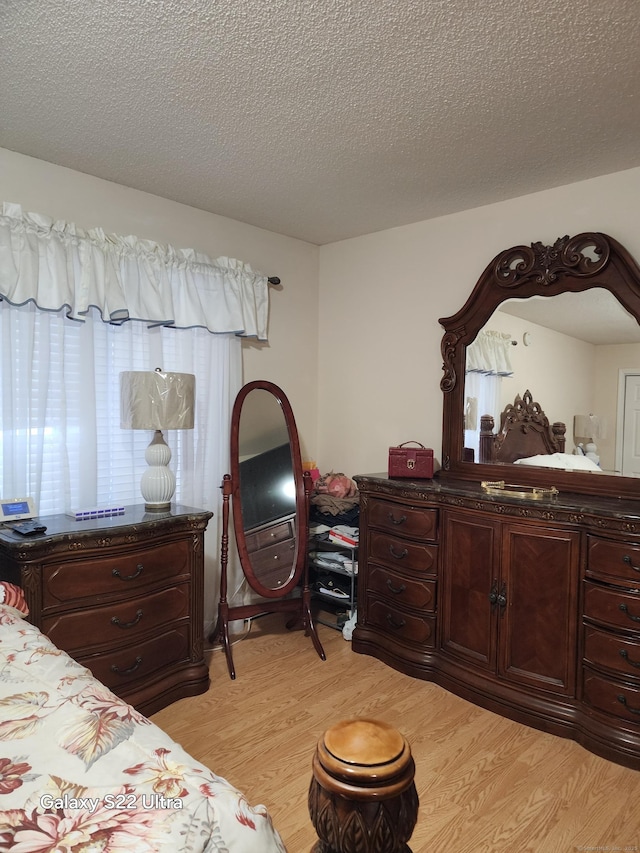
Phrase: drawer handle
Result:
[396,555]
[627,559]
[625,609]
[624,654]
[623,701]
[128,671]
[400,623]
[395,520]
[116,621]
[137,573]
[396,590]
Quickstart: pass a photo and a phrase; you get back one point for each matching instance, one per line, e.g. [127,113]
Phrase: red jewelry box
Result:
[415,463]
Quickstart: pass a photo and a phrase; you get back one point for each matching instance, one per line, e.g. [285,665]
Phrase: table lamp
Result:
[591,427]
[158,401]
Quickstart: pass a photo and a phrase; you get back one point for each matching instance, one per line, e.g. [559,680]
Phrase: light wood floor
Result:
[485,784]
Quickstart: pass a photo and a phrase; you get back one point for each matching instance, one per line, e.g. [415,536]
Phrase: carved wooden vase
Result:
[362,797]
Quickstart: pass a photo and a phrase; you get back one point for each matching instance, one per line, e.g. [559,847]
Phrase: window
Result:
[60,435]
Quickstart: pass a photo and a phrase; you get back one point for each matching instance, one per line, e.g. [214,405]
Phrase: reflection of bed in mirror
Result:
[524,432]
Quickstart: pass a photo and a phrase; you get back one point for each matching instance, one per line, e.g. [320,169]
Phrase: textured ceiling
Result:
[329,119]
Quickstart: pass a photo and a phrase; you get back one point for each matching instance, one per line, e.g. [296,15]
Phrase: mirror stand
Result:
[299,606]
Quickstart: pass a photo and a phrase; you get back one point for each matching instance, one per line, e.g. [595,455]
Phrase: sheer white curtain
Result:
[488,361]
[60,436]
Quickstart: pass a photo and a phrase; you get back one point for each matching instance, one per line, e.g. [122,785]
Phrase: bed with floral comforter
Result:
[81,771]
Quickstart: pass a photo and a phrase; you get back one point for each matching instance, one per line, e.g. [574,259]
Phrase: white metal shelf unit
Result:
[323,564]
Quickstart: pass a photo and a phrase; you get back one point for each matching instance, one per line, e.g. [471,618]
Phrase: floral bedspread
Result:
[83,772]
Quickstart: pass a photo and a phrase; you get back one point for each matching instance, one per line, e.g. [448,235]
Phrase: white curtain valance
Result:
[60,266]
[489,354]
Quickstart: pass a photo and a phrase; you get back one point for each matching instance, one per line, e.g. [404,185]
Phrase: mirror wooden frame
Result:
[274,600]
[576,264]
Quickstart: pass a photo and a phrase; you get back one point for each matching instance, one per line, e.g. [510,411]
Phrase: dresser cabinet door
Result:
[509,599]
[470,575]
[538,623]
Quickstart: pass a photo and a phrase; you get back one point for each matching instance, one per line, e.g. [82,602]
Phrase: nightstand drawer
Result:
[399,553]
[396,622]
[113,574]
[120,667]
[402,591]
[612,607]
[404,520]
[118,622]
[619,560]
[610,651]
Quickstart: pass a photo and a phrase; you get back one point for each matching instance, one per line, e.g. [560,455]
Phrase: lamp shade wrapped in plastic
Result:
[157,400]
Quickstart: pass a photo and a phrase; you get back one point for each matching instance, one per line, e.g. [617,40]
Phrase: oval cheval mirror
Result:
[270,506]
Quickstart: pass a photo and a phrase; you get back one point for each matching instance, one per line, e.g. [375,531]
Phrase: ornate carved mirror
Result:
[530,282]
[270,507]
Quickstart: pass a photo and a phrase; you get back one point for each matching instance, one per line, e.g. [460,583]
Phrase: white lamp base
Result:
[158,482]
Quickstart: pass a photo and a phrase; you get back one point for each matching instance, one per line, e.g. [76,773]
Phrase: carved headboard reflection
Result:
[571,265]
[524,431]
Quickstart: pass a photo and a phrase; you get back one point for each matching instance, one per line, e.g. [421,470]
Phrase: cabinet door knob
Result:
[396,590]
[493,594]
[395,623]
[395,520]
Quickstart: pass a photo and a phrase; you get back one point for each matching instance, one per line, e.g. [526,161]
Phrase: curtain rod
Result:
[273,279]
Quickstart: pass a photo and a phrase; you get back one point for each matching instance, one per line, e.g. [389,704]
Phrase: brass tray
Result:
[502,489]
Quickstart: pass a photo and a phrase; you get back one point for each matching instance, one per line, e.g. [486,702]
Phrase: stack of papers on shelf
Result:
[343,534]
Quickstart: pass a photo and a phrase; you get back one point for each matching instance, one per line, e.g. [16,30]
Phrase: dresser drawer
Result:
[404,520]
[120,667]
[402,591]
[612,607]
[118,622]
[610,651]
[396,622]
[113,574]
[620,700]
[610,560]
[399,553]
[270,536]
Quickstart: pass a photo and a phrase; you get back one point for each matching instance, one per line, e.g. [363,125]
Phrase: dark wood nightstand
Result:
[122,595]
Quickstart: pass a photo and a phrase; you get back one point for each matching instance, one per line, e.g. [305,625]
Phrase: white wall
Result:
[381,296]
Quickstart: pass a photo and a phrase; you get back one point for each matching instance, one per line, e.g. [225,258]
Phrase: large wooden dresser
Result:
[122,595]
[530,608]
